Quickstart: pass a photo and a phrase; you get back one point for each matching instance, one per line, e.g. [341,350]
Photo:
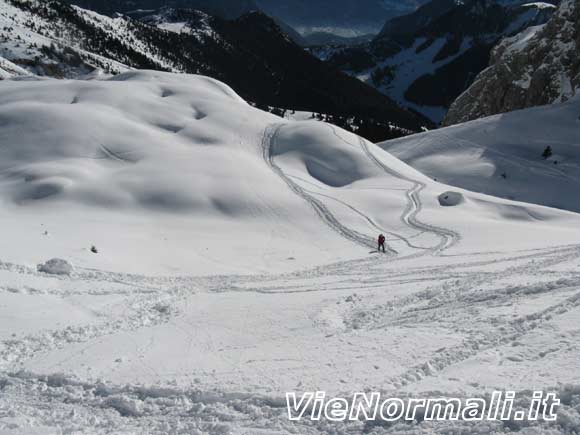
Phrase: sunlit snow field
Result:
[236,261]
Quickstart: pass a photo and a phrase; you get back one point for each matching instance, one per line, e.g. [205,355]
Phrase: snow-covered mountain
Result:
[228,9]
[536,67]
[220,256]
[252,54]
[503,155]
[194,21]
[426,59]
[174,260]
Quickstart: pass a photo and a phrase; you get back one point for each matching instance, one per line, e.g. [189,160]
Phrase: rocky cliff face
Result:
[426,59]
[536,67]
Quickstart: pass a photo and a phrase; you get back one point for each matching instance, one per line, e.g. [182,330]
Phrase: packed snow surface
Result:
[237,261]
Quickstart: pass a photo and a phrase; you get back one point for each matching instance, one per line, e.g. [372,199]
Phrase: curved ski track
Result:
[323,212]
[409,217]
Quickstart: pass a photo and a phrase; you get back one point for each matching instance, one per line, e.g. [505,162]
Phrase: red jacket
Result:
[381,239]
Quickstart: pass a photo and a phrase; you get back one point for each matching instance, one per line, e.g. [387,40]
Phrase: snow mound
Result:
[132,141]
[318,150]
[502,155]
[56,266]
[451,199]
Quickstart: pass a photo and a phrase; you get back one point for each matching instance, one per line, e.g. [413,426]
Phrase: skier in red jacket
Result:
[382,243]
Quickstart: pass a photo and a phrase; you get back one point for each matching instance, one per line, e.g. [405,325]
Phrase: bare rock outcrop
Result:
[536,67]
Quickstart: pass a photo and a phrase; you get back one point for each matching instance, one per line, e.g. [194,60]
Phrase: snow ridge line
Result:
[323,212]
[449,238]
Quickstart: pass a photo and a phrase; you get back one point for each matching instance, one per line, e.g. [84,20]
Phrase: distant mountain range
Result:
[228,9]
[415,68]
[252,54]
[347,18]
[426,59]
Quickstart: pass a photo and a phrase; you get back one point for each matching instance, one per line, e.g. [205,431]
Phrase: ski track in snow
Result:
[409,217]
[323,212]
[448,238]
[467,287]
[109,154]
[153,409]
[433,305]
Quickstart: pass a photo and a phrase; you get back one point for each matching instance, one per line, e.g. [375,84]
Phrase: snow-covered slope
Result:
[502,155]
[163,149]
[228,9]
[190,21]
[157,146]
[235,260]
[53,40]
[186,149]
[9,70]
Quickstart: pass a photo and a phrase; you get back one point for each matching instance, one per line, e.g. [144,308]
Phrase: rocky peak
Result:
[536,67]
